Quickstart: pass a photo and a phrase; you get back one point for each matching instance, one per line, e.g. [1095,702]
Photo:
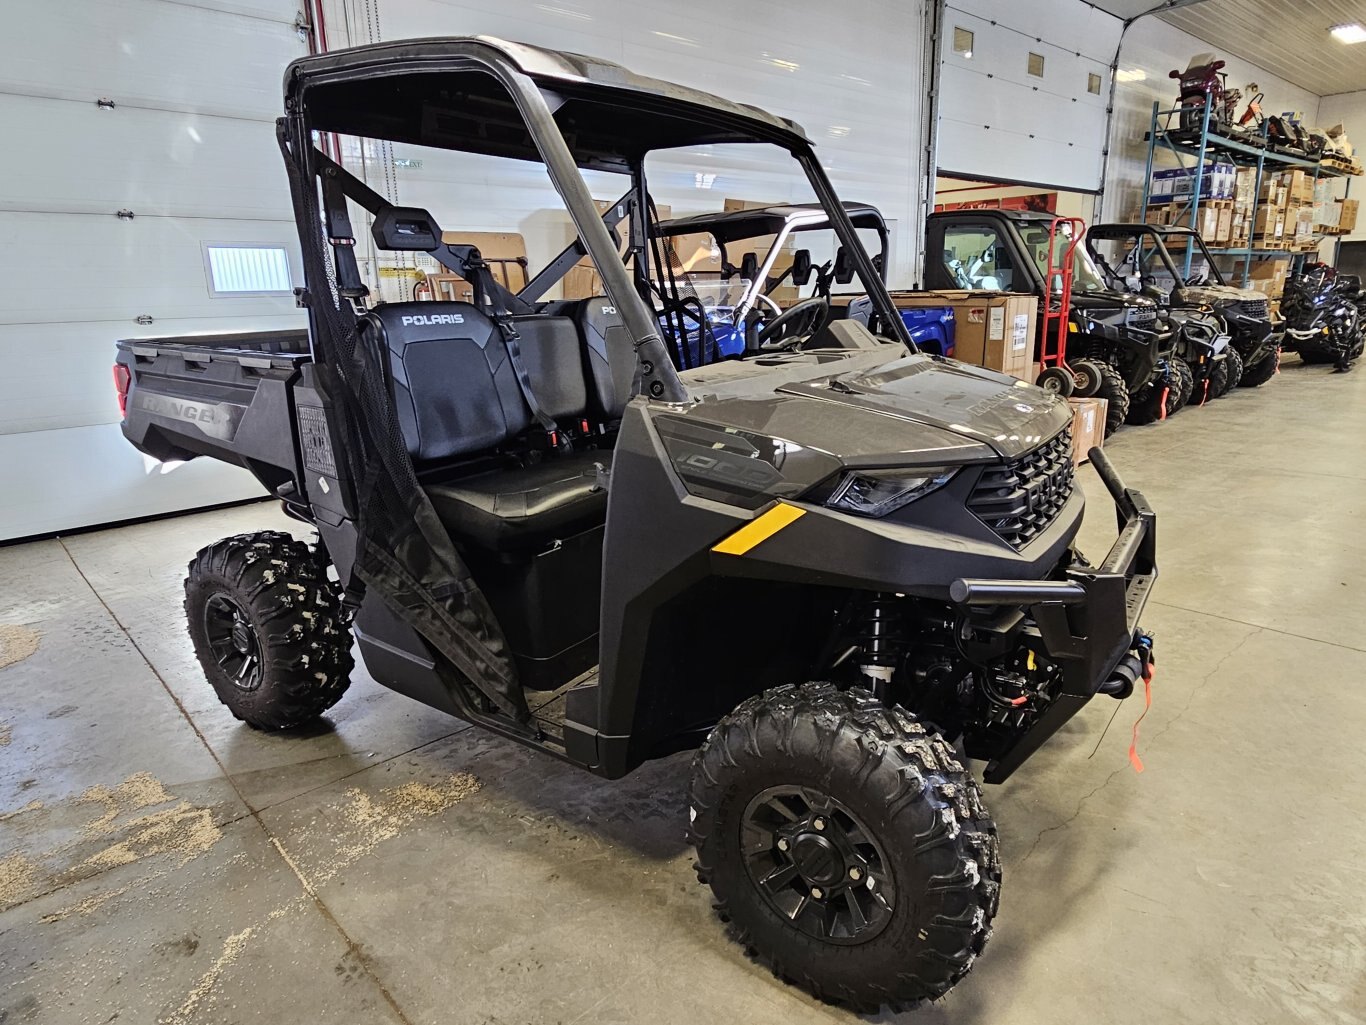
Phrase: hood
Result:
[1220,294]
[973,404]
[1111,301]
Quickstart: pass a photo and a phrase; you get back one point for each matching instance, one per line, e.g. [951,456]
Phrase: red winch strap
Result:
[1134,760]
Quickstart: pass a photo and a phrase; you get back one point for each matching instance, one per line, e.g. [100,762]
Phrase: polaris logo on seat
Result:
[609,311]
[434,318]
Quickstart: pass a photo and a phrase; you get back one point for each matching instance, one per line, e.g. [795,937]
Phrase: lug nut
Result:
[855,874]
[818,823]
[782,844]
[817,892]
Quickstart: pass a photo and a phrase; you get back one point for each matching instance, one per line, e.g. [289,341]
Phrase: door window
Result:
[977,258]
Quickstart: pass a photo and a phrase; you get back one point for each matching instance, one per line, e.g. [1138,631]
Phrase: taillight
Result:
[122,378]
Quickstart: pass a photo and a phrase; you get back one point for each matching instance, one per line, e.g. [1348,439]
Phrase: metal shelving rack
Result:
[1239,153]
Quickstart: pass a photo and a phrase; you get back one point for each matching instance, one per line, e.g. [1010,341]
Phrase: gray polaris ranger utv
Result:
[826,565]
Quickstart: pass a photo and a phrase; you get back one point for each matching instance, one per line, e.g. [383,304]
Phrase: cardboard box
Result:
[1225,231]
[1245,186]
[1304,225]
[1347,217]
[1267,276]
[503,251]
[1207,223]
[995,330]
[1300,186]
[1269,223]
[1327,214]
[1088,427]
[1159,214]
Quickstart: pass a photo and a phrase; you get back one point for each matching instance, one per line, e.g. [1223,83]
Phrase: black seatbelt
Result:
[491,297]
[341,238]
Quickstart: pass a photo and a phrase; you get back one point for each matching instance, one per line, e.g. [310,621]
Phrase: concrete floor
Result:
[161,863]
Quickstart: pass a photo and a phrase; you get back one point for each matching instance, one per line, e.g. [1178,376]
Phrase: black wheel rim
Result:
[817,865]
[233,641]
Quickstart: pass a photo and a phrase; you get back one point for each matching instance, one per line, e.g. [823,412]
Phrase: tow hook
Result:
[1133,667]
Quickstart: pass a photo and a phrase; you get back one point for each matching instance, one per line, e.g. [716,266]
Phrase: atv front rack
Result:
[1088,622]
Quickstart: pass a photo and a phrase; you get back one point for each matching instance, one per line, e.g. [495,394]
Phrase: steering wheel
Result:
[795,325]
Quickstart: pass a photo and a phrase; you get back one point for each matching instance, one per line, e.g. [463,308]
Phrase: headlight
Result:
[879,492]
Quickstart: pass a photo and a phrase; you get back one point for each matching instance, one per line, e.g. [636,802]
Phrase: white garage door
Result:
[188,147]
[1023,91]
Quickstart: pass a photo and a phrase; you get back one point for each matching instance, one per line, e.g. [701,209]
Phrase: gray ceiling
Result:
[1288,39]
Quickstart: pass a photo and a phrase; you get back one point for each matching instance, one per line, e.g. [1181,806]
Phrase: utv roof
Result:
[732,225]
[1137,226]
[459,93]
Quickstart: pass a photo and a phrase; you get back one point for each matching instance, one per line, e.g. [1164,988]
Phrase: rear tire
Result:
[1259,373]
[268,629]
[902,836]
[1232,372]
[1116,393]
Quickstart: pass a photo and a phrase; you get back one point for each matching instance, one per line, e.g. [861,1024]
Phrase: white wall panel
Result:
[66,377]
[1151,50]
[853,81]
[81,267]
[79,158]
[85,476]
[190,148]
[148,53]
[999,122]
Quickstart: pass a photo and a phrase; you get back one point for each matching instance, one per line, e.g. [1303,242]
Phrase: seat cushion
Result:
[528,507]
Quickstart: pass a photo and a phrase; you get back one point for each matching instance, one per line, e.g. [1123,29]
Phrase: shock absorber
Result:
[880,641]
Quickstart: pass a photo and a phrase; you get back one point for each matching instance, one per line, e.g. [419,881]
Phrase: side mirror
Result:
[749,267]
[844,267]
[801,266]
[405,229]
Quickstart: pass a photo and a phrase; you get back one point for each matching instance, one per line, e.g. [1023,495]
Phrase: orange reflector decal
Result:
[760,529]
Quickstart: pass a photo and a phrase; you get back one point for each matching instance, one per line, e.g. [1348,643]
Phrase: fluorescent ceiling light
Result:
[838,131]
[1352,33]
[703,180]
[1130,75]
[684,40]
[778,62]
[564,12]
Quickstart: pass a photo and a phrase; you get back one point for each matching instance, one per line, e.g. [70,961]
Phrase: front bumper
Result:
[1088,622]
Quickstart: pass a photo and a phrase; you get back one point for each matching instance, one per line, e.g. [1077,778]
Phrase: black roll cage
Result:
[540,85]
[1159,234]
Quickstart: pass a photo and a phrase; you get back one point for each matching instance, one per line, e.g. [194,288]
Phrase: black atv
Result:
[529,519]
[1324,316]
[1117,343]
[1173,265]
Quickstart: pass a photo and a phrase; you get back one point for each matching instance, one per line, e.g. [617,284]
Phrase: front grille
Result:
[1019,500]
[1258,309]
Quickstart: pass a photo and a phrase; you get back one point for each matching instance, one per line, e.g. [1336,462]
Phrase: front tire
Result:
[1116,395]
[1232,372]
[846,845]
[268,629]
[1259,373]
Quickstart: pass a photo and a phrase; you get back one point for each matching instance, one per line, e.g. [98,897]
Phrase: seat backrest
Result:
[609,354]
[550,351]
[455,390]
